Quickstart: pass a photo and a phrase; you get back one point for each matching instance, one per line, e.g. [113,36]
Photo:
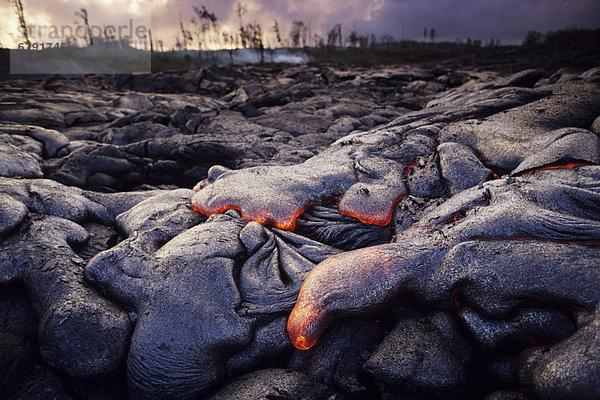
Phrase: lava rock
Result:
[569,144]
[569,369]
[338,359]
[526,78]
[274,383]
[525,327]
[52,140]
[12,213]
[504,140]
[460,167]
[44,118]
[424,179]
[80,333]
[596,126]
[16,163]
[423,354]
[162,362]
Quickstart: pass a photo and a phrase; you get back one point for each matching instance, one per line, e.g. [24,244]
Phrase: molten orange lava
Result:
[263,217]
[380,219]
[453,218]
[302,343]
[304,327]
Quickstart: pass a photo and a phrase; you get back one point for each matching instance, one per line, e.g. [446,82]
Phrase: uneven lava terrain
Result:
[301,232]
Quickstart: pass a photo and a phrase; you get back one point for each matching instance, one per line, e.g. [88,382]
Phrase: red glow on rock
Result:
[463,118]
[574,307]
[583,241]
[456,119]
[263,217]
[303,325]
[524,388]
[331,201]
[382,218]
[454,298]
[379,219]
[409,168]
[455,217]
[325,293]
[555,166]
[383,266]
[588,242]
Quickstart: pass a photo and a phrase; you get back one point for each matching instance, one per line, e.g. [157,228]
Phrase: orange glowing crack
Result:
[463,118]
[263,217]
[583,241]
[453,218]
[449,121]
[380,266]
[555,166]
[409,168]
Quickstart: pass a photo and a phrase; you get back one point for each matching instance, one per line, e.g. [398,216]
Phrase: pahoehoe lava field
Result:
[318,231]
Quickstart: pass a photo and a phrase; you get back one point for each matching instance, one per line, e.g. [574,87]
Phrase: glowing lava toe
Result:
[350,283]
[371,203]
[305,325]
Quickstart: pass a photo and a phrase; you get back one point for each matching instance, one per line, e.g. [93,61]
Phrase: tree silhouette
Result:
[353,38]
[83,14]
[363,42]
[205,23]
[373,41]
[386,40]
[334,36]
[319,42]
[533,38]
[240,10]
[21,17]
[296,33]
[277,33]
[187,35]
[432,34]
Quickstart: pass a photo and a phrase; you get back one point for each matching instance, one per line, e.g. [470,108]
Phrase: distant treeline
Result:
[564,39]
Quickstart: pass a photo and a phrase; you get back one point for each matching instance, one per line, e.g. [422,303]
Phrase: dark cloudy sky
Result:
[508,20]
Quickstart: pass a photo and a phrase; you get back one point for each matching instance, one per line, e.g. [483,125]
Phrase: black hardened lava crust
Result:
[422,232]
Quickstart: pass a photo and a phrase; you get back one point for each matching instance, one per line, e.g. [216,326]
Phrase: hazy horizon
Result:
[508,20]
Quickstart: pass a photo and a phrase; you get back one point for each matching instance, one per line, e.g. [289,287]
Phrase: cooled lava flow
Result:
[368,277]
[354,282]
[556,166]
[280,218]
[368,188]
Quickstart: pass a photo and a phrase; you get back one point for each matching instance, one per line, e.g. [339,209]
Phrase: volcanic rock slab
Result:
[355,233]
